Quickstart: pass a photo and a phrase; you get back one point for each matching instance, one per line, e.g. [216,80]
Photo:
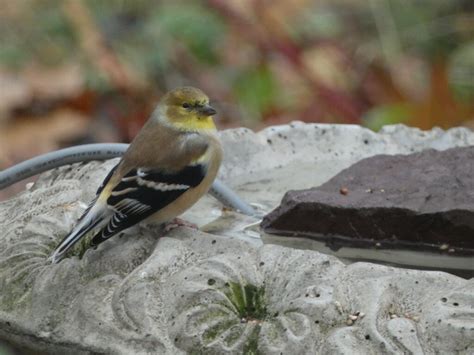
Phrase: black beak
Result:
[207,110]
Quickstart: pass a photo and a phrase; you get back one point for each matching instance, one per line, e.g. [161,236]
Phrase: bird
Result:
[167,167]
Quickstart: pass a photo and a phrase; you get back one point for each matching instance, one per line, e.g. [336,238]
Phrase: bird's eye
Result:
[186,105]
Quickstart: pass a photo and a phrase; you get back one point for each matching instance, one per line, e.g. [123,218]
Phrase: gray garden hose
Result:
[87,152]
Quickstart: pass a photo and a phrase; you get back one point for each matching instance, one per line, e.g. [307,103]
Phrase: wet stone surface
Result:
[220,290]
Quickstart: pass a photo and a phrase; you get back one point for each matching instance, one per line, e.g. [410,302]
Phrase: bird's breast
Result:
[212,159]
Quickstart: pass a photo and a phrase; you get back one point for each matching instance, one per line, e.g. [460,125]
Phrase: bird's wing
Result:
[142,192]
[99,190]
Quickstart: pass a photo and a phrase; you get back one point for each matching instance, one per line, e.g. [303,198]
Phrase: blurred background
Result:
[74,72]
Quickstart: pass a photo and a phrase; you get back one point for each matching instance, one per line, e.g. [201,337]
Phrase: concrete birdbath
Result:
[225,289]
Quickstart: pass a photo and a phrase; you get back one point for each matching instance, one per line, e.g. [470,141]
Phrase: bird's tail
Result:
[85,225]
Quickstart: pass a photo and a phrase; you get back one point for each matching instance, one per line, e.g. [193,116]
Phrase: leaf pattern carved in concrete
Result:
[263,302]
[30,224]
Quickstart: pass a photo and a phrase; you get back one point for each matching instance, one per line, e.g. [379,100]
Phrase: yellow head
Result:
[188,109]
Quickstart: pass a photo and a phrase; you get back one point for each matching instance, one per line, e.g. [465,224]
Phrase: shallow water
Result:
[264,191]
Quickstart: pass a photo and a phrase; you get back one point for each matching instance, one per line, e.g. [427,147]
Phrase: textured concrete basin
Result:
[221,290]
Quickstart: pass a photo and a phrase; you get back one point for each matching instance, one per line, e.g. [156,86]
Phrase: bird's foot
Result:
[178,222]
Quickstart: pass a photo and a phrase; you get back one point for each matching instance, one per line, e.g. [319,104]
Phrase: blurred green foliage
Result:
[235,50]
[462,71]
[40,34]
[194,26]
[256,90]
[383,115]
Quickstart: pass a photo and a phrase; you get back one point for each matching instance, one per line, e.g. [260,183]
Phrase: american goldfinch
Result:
[169,165]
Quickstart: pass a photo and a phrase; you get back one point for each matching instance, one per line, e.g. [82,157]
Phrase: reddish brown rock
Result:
[418,201]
